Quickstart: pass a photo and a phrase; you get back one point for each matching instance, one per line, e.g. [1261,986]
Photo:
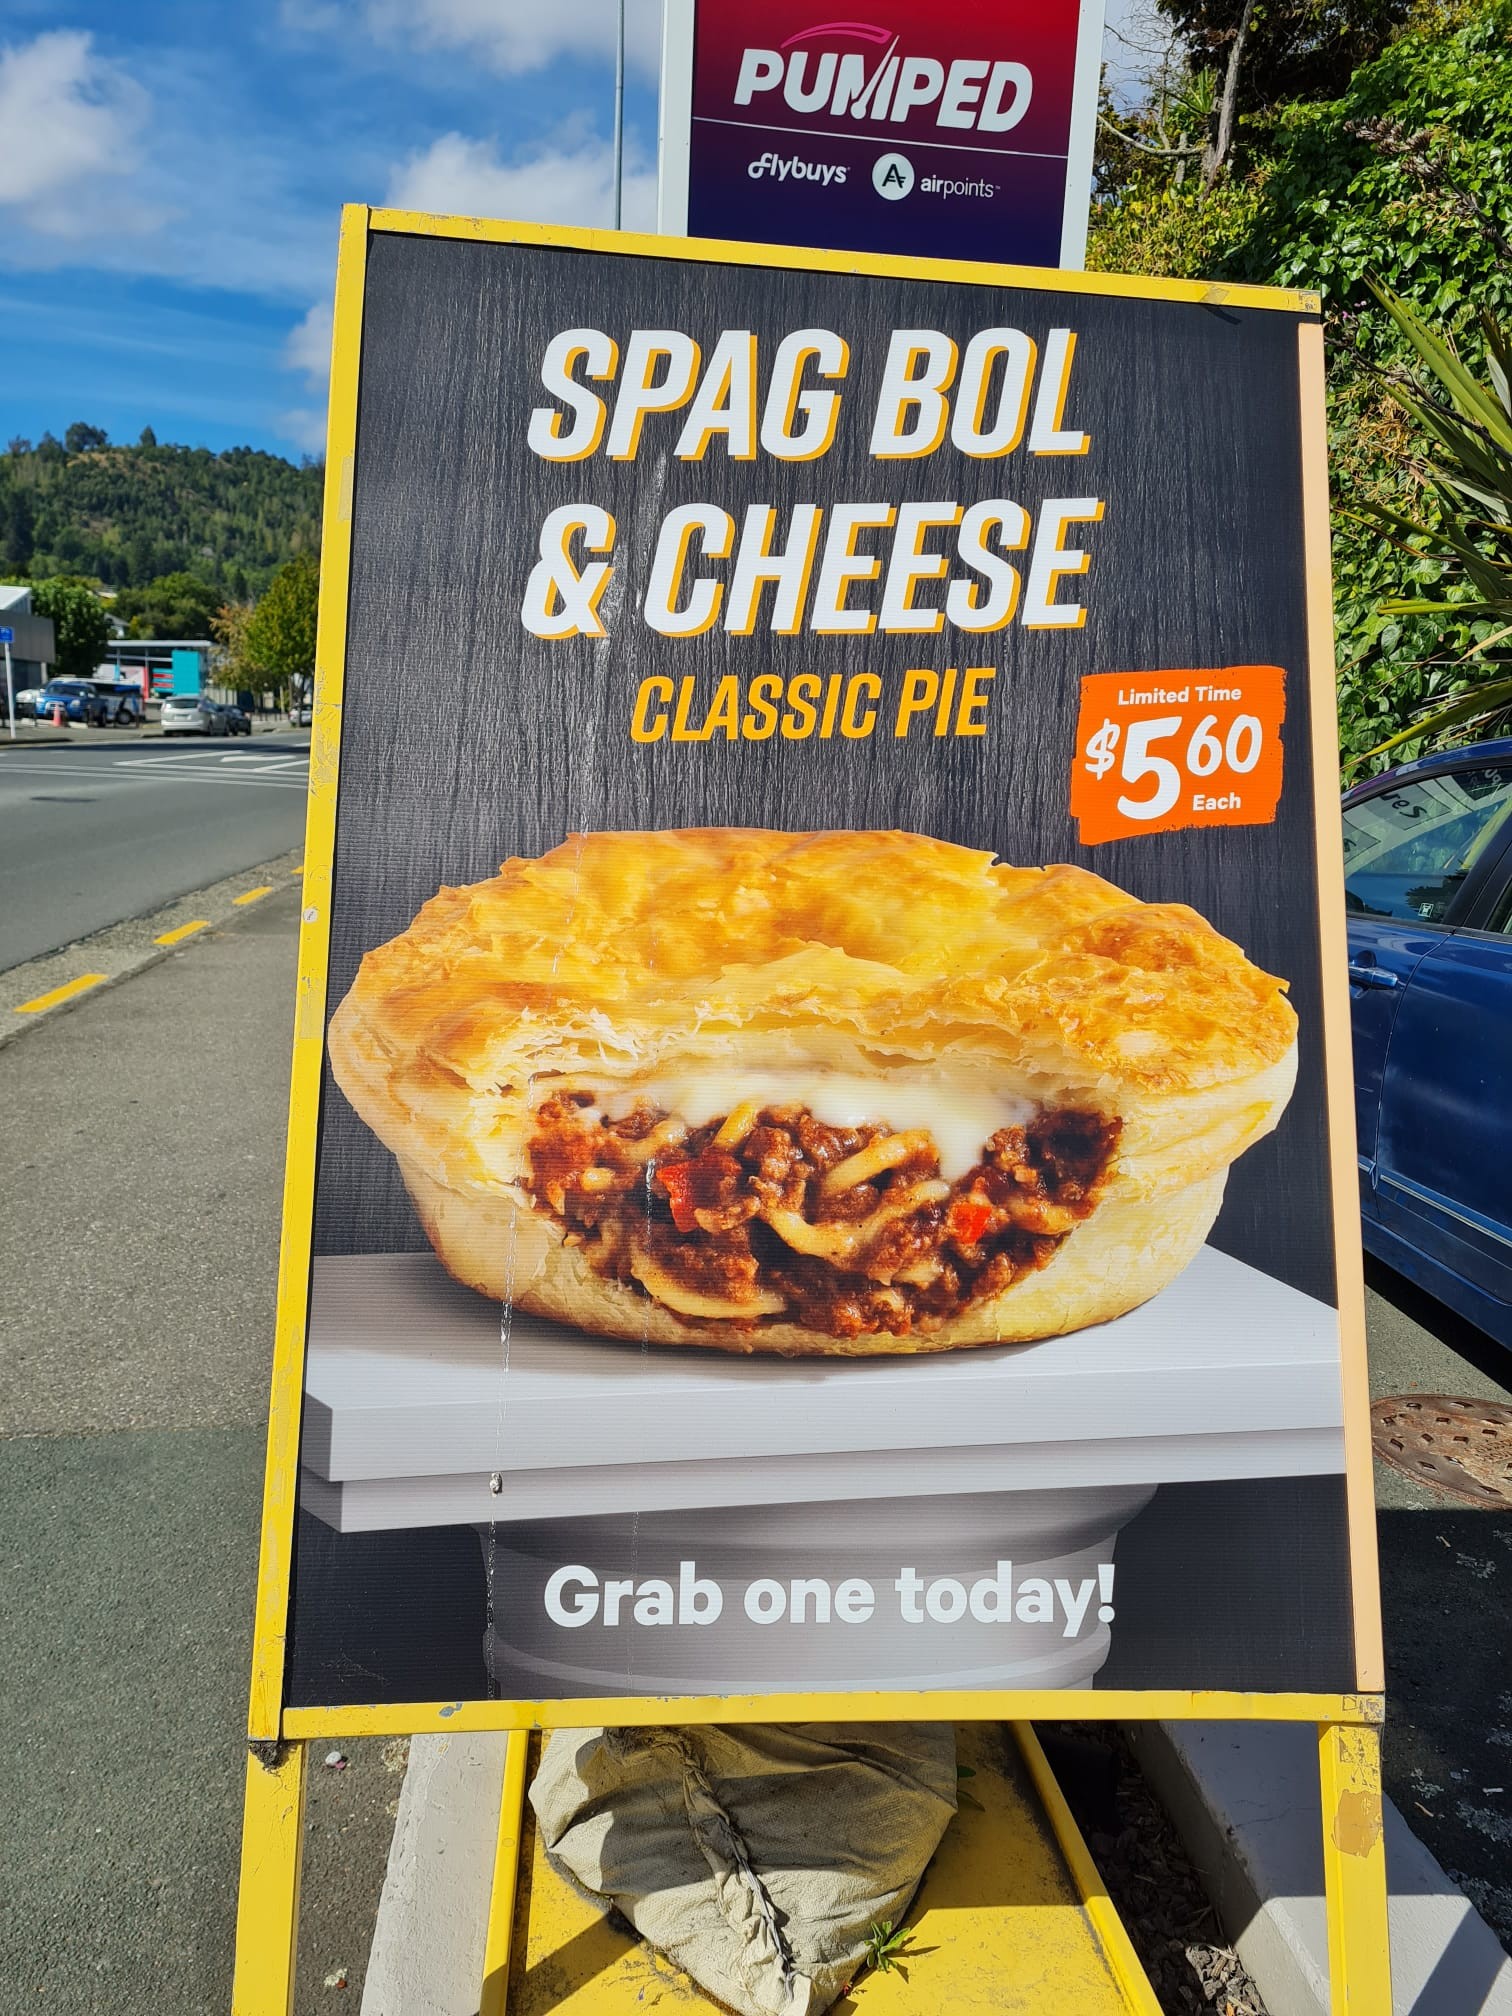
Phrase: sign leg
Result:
[267,1917]
[501,1904]
[1354,1870]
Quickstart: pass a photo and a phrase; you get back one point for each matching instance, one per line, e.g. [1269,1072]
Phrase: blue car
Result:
[78,699]
[1428,891]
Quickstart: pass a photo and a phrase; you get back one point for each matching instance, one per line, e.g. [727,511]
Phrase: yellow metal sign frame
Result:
[1348,1723]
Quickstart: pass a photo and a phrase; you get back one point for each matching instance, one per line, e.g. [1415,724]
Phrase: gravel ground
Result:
[349,1822]
[1157,1892]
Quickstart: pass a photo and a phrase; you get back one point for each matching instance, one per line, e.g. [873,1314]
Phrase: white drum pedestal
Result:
[1044,1536]
[427,1405]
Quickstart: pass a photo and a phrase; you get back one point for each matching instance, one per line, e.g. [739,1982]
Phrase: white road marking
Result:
[208,760]
[51,766]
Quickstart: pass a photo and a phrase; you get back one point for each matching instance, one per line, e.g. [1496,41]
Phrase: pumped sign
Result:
[962,134]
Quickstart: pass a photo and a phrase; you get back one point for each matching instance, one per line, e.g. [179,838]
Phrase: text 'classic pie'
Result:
[812,1092]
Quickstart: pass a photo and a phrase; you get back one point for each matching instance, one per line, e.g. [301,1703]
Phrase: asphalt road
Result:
[94,832]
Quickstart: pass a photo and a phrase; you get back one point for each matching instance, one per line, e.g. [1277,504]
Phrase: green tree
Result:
[174,605]
[280,638]
[79,624]
[128,515]
[237,667]
[17,525]
[147,438]
[81,438]
[1292,50]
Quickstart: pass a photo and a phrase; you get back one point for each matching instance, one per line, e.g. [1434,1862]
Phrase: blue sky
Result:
[171,173]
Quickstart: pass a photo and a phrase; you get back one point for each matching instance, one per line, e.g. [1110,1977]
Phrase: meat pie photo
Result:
[812,1093]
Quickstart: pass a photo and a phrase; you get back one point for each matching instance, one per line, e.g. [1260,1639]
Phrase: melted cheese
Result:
[960,1113]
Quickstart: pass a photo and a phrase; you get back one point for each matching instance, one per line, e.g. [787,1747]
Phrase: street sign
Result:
[961,132]
[7,636]
[864,1196]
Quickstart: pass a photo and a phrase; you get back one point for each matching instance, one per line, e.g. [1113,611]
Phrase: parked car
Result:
[77,698]
[1428,891]
[301,714]
[193,714]
[238,720]
[24,700]
[123,704]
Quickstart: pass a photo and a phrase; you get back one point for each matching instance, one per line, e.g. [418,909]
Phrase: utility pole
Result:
[619,116]
[10,690]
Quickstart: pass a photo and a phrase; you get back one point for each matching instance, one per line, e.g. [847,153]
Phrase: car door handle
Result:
[1371,976]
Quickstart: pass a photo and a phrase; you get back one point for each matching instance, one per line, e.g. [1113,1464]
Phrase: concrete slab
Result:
[1244,1797]
[427,1954]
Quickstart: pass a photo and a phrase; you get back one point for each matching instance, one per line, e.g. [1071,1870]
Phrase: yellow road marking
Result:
[251,895]
[64,993]
[297,871]
[183,931]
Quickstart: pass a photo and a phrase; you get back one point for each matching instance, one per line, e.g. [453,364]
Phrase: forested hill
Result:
[128,515]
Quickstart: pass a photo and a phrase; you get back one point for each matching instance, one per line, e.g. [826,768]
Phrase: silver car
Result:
[192,714]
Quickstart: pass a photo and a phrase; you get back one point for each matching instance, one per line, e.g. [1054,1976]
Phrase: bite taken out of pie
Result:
[812,1093]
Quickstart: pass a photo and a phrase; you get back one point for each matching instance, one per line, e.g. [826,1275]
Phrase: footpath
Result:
[142,1157]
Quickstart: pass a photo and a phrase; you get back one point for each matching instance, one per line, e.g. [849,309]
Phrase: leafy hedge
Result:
[1382,181]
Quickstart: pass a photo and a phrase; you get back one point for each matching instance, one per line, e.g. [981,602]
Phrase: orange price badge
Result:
[1157,751]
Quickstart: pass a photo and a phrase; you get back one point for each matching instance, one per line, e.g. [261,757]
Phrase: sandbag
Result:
[755,1858]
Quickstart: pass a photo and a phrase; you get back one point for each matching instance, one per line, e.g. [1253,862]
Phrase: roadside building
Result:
[33,648]
[164,664]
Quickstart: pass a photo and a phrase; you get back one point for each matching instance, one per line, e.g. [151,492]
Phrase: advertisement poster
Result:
[822,1174]
[961,132]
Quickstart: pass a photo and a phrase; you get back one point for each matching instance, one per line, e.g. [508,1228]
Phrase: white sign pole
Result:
[10,693]
[619,118]
[675,118]
[1083,137]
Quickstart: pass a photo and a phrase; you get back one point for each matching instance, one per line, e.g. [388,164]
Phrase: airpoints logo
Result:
[893,177]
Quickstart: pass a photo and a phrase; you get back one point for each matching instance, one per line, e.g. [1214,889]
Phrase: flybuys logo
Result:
[785,166]
[881,82]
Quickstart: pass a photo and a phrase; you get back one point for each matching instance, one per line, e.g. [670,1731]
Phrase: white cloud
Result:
[570,182]
[70,118]
[305,426]
[515,35]
[307,347]
[187,183]
[565,181]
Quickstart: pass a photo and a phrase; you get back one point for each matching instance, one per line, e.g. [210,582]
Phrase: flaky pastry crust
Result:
[618,956]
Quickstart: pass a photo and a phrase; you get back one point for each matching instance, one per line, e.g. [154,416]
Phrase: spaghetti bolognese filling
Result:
[768,1214]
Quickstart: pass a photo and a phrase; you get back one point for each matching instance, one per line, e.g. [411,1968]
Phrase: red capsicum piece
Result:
[676,1178]
[967,1220]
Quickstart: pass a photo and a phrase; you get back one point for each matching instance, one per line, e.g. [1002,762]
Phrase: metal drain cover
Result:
[1462,1448]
